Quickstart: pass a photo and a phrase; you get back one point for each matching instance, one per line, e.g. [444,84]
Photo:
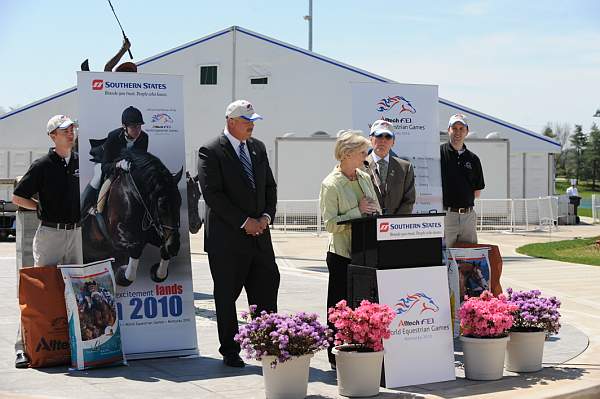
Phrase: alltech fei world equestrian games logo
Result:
[417,313]
[399,111]
[399,102]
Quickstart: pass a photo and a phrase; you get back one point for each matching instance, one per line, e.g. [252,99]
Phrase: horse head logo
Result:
[162,120]
[419,299]
[388,103]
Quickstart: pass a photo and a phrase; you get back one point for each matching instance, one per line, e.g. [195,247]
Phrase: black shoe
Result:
[21,362]
[233,360]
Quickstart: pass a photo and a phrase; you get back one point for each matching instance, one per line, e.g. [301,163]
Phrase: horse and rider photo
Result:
[142,206]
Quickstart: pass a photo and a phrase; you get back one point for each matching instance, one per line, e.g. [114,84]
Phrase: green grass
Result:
[584,187]
[584,251]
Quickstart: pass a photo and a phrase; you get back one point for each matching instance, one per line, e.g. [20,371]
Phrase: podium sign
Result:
[410,229]
[391,242]
[420,350]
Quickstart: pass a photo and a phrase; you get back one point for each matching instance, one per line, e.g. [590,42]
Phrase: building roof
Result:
[311,54]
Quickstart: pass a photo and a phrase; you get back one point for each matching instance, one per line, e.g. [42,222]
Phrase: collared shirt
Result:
[236,144]
[338,203]
[376,158]
[462,175]
[129,142]
[572,192]
[57,185]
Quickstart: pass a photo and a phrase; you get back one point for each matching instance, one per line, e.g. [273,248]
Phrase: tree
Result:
[547,131]
[579,142]
[592,154]
[561,132]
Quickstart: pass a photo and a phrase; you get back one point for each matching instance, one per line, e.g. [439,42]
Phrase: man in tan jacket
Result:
[393,178]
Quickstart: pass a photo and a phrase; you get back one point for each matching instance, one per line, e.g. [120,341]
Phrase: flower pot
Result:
[358,373]
[289,379]
[484,357]
[524,351]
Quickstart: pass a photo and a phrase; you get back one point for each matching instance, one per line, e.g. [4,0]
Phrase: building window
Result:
[259,81]
[208,75]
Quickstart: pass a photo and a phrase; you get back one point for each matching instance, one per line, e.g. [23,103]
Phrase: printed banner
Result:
[420,350]
[413,110]
[474,271]
[410,228]
[134,205]
[92,315]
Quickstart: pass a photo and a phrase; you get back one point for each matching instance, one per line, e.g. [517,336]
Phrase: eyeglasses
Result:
[384,136]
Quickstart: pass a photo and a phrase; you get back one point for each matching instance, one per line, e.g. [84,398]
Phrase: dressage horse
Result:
[142,207]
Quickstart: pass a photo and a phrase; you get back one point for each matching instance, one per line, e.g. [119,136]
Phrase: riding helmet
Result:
[132,116]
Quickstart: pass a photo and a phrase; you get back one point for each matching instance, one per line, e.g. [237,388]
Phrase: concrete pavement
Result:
[568,372]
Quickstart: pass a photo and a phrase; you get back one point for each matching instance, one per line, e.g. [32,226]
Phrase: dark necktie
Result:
[246,165]
[383,167]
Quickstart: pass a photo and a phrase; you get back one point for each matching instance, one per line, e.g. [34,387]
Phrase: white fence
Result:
[530,214]
[524,214]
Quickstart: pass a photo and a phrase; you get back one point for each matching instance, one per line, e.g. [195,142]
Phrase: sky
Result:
[526,62]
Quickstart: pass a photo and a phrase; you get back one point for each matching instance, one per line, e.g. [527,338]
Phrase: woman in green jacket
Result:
[346,193]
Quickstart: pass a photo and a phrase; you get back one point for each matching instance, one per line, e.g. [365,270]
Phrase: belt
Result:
[460,210]
[61,226]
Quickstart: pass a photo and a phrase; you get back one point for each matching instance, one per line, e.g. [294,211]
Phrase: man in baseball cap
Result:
[241,109]
[55,179]
[59,122]
[462,182]
[394,178]
[241,197]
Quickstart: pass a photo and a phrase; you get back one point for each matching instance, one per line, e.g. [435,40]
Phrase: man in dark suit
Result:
[241,195]
[393,178]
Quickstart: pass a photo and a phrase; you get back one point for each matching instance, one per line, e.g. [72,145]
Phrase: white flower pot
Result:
[524,351]
[289,380]
[358,373]
[484,357]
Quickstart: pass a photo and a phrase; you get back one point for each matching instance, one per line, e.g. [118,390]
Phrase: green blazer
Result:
[338,203]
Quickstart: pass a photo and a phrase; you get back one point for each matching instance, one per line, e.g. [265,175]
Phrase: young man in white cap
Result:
[462,182]
[241,196]
[55,179]
[393,178]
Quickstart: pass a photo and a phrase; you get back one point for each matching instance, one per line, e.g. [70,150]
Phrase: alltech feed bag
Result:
[94,330]
[43,316]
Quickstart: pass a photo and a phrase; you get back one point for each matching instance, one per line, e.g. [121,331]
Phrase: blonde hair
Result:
[349,141]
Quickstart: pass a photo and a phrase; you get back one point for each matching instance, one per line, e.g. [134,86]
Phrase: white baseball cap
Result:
[458,118]
[380,127]
[241,109]
[59,122]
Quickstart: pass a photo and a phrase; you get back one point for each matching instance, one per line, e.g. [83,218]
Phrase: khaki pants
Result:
[460,227]
[53,247]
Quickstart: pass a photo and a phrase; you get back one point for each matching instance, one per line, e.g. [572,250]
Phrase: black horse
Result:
[142,207]
[193,196]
